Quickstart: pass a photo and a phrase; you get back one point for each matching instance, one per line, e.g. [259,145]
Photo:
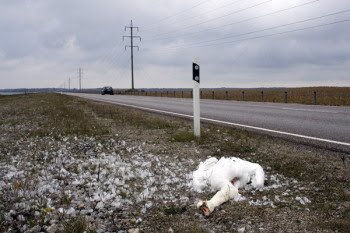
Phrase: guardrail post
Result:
[315,98]
[285,97]
[182,94]
[212,95]
[174,94]
[226,95]
[242,95]
[262,96]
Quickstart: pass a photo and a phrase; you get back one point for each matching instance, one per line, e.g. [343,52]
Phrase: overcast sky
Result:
[240,43]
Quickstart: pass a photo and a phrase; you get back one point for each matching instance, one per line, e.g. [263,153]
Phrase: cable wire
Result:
[242,21]
[216,18]
[259,37]
[271,28]
[176,14]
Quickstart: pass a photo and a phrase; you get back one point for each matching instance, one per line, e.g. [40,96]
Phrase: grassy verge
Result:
[71,134]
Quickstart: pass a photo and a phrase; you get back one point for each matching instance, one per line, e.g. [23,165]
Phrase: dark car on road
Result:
[107,90]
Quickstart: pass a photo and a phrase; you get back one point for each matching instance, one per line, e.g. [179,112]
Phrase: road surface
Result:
[323,125]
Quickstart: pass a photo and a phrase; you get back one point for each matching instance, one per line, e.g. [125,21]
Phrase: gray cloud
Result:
[43,43]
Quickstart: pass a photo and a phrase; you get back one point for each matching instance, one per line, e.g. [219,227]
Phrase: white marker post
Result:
[196,107]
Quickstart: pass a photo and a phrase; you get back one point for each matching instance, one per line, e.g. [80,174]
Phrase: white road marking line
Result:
[232,124]
[309,110]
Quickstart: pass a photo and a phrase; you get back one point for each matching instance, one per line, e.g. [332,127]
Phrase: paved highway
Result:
[323,125]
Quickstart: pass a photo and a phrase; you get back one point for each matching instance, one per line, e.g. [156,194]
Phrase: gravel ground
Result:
[136,176]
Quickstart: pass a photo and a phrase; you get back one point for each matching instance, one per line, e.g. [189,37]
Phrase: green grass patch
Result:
[184,137]
[76,225]
[234,148]
[174,210]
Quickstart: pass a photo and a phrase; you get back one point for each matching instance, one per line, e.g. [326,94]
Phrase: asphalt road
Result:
[323,125]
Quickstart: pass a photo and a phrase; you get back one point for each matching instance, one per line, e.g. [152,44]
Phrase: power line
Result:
[176,14]
[118,74]
[262,36]
[111,55]
[271,28]
[279,33]
[242,21]
[213,19]
[149,77]
[212,10]
[113,58]
[285,32]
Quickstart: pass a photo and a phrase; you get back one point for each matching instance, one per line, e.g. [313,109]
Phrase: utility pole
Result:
[132,50]
[80,72]
[68,84]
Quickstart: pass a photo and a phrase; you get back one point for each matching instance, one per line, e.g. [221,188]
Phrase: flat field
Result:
[333,96]
[73,165]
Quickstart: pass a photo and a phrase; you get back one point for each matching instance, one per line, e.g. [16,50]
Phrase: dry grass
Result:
[334,96]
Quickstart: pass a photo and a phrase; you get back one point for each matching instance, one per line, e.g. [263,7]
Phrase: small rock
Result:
[12,212]
[21,218]
[125,220]
[35,229]
[134,230]
[99,205]
[81,205]
[37,214]
[110,213]
[83,212]
[53,221]
[52,228]
[347,205]
[24,228]
[71,211]
[7,217]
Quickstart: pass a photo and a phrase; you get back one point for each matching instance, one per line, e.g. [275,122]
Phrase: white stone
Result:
[52,228]
[134,230]
[99,205]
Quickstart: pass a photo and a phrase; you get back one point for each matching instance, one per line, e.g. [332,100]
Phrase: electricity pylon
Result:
[132,50]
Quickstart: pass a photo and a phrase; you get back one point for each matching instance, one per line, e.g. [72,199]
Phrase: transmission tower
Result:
[131,27]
